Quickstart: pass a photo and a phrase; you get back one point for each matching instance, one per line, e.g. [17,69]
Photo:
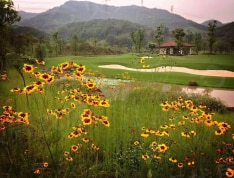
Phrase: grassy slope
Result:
[202,62]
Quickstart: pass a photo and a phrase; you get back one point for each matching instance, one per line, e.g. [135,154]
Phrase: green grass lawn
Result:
[201,62]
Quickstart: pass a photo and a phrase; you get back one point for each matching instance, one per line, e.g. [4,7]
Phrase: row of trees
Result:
[180,37]
[55,46]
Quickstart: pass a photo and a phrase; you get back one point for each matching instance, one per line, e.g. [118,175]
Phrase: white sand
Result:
[218,73]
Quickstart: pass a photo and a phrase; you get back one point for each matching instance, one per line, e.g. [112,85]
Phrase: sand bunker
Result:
[217,73]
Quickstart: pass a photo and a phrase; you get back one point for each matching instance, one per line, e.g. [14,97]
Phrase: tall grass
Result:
[141,110]
[151,133]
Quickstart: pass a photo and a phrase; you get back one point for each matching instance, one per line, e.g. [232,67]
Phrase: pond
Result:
[225,95]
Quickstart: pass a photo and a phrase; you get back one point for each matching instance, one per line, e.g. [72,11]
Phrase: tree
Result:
[19,43]
[120,42]
[55,43]
[211,35]
[179,37]
[8,16]
[74,44]
[49,48]
[137,38]
[61,46]
[189,36]
[30,40]
[152,46]
[159,35]
[40,51]
[220,46]
[94,42]
[198,41]
[166,31]
[112,40]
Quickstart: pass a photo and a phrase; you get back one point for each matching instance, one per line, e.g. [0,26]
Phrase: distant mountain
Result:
[218,24]
[26,15]
[225,33]
[80,11]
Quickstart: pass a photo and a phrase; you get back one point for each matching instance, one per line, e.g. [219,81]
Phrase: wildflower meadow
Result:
[60,122]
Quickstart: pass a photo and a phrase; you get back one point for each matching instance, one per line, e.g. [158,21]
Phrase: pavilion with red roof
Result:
[171,48]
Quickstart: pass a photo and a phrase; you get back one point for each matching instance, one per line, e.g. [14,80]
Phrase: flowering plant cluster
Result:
[9,116]
[179,131]
[86,93]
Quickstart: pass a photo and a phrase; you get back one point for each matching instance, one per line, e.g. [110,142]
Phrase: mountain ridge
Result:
[26,15]
[78,11]
[218,23]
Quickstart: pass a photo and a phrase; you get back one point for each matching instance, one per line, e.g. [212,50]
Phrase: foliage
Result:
[152,46]
[189,36]
[116,34]
[55,43]
[137,38]
[74,44]
[40,51]
[226,36]
[211,35]
[179,35]
[159,35]
[198,41]
[8,16]
[111,30]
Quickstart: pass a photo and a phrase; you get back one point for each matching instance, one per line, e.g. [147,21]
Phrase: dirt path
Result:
[217,73]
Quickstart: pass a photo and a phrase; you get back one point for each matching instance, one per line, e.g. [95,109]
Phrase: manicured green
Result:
[201,62]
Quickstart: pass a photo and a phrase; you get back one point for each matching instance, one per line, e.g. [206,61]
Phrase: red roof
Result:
[174,44]
[188,45]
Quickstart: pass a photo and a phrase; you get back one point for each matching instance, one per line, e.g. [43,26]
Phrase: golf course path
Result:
[217,73]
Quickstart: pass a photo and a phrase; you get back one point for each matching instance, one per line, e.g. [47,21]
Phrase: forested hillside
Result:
[29,30]
[79,11]
[112,31]
[225,34]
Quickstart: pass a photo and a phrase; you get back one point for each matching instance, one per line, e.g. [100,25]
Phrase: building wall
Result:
[163,51]
[171,51]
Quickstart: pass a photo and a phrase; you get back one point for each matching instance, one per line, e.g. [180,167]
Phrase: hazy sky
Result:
[196,10]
